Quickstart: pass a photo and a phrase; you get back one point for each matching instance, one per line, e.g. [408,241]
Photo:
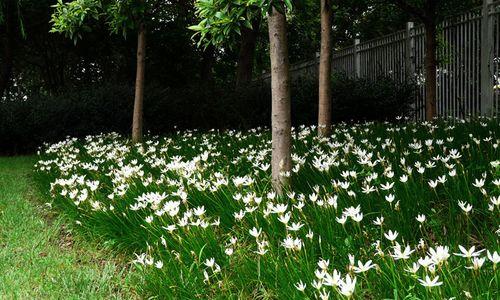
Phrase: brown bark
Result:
[246,54]
[139,84]
[325,69]
[430,70]
[281,108]
[7,44]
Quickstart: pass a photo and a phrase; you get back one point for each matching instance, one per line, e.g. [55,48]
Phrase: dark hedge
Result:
[26,124]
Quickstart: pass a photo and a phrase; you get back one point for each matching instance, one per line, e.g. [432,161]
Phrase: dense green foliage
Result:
[376,211]
[49,63]
[24,125]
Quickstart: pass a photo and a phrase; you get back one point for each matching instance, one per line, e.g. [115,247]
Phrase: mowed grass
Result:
[39,258]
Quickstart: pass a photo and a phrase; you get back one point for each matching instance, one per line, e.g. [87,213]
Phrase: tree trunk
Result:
[281,109]
[430,70]
[7,44]
[139,84]
[246,54]
[207,62]
[325,69]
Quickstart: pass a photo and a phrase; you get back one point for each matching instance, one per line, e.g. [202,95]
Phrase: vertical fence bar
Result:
[496,26]
[357,61]
[486,58]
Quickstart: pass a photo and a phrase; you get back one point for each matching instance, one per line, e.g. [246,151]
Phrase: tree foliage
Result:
[75,17]
[222,20]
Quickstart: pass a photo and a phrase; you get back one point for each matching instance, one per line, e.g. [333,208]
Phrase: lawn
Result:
[376,211]
[39,256]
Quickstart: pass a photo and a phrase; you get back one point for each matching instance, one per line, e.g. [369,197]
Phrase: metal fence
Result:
[469,67]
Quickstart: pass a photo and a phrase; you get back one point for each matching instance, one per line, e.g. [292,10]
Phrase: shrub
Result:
[362,99]
[26,124]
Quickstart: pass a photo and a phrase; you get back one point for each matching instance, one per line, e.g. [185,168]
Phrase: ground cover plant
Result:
[375,211]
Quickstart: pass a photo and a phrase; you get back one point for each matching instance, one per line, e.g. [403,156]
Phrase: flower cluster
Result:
[373,210]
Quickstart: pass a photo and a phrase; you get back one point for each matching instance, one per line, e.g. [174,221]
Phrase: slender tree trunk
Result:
[246,55]
[139,84]
[430,70]
[281,108]
[207,61]
[7,44]
[325,70]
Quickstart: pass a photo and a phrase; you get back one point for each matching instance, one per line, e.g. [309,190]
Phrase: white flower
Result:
[433,183]
[284,218]
[300,286]
[420,218]
[352,211]
[390,198]
[199,211]
[439,255]
[332,201]
[361,268]
[468,295]
[342,219]
[317,284]
[255,232]
[466,207]
[279,208]
[295,226]
[386,186]
[347,286]
[229,251]
[324,295]
[332,279]
[430,283]
[479,183]
[495,200]
[261,251]
[357,218]
[477,263]
[391,235]
[323,264]
[159,264]
[210,262]
[425,261]
[320,273]
[367,189]
[379,221]
[405,254]
[493,257]
[293,244]
[413,269]
[468,253]
[403,178]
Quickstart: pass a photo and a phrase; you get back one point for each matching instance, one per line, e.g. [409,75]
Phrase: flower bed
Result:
[376,211]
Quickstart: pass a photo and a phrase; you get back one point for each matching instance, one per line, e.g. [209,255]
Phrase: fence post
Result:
[409,55]
[486,59]
[357,60]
